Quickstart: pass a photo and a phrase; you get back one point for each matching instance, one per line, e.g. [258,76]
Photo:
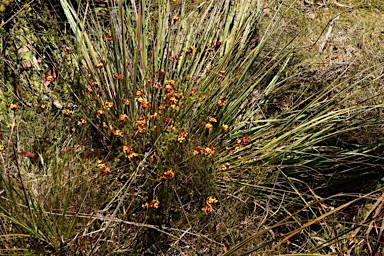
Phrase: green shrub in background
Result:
[178,103]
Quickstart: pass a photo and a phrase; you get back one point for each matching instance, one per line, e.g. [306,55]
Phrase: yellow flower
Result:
[155,204]
[155,115]
[209,151]
[102,125]
[66,112]
[224,127]
[1,147]
[81,122]
[167,175]
[181,136]
[176,18]
[118,133]
[118,76]
[123,118]
[197,151]
[190,49]
[126,102]
[208,126]
[43,106]
[12,125]
[170,82]
[212,119]
[100,112]
[88,90]
[108,105]
[126,149]
[132,155]
[99,65]
[139,93]
[211,200]
[13,107]
[173,101]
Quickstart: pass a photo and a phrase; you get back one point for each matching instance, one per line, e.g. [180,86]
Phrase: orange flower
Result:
[81,122]
[209,151]
[155,115]
[127,149]
[126,102]
[118,133]
[118,76]
[197,151]
[190,49]
[224,167]
[92,83]
[131,156]
[153,204]
[66,112]
[108,105]
[193,92]
[167,175]
[208,204]
[244,140]
[212,119]
[100,112]
[221,103]
[102,125]
[224,127]
[88,90]
[211,200]
[173,101]
[181,136]
[105,170]
[123,118]
[141,124]
[95,97]
[208,126]
[99,65]
[160,72]
[173,58]
[176,18]
[13,107]
[68,50]
[139,93]
[145,104]
[49,78]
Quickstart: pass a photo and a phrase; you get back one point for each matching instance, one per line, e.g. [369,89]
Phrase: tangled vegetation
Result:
[190,128]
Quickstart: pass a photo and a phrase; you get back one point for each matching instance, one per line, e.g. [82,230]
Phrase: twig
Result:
[331,24]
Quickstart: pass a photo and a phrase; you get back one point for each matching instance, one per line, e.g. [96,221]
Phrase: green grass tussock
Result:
[190,128]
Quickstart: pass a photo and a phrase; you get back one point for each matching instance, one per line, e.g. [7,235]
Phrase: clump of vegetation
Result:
[183,128]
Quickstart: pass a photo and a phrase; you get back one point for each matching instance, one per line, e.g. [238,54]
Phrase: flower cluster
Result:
[167,175]
[105,170]
[129,152]
[207,151]
[141,124]
[12,125]
[152,204]
[181,136]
